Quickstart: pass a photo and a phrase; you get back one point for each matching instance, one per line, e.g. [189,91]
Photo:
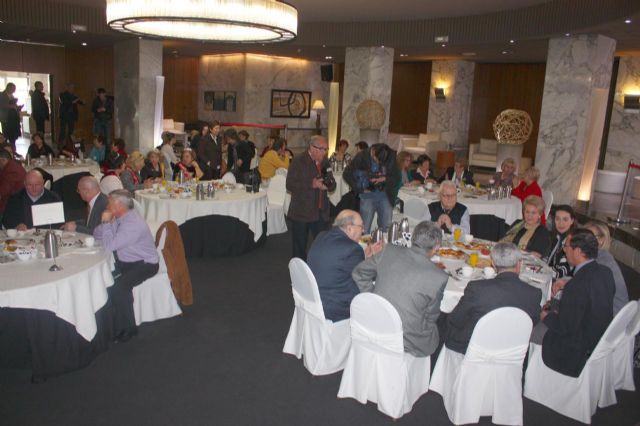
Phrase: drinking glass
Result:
[473,259]
[457,233]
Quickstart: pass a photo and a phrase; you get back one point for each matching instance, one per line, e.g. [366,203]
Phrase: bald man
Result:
[332,257]
[18,211]
[89,190]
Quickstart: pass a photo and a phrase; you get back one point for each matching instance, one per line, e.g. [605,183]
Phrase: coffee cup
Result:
[12,233]
[468,238]
[89,241]
[156,186]
[467,271]
[420,190]
[489,272]
[429,186]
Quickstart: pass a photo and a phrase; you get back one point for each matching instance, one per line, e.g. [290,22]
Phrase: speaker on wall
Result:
[326,72]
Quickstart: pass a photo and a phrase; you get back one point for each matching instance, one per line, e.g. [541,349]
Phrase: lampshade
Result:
[317,104]
[231,21]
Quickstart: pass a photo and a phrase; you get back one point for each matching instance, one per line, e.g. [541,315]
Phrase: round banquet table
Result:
[342,187]
[229,224]
[534,272]
[63,168]
[489,218]
[55,321]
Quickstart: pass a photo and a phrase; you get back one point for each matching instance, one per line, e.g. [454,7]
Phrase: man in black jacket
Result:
[458,173]
[584,312]
[18,212]
[483,296]
[102,109]
[239,154]
[39,107]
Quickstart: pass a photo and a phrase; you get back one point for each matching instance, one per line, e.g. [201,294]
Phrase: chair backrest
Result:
[415,209]
[615,331]
[634,326]
[488,146]
[547,197]
[304,283]
[110,183]
[277,190]
[281,171]
[500,335]
[161,241]
[375,320]
[229,178]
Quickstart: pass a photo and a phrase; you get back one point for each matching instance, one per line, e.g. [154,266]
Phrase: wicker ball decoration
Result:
[512,127]
[370,114]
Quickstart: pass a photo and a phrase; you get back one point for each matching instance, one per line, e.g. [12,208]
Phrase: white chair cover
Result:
[154,298]
[378,369]
[547,197]
[415,210]
[487,380]
[276,194]
[229,178]
[110,183]
[579,397]
[623,354]
[323,343]
[281,171]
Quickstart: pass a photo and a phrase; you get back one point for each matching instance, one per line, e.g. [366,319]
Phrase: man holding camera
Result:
[309,178]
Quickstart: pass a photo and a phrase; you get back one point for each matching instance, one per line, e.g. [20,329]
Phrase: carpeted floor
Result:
[222,364]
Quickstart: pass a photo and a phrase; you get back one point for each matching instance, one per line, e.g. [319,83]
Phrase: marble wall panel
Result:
[222,73]
[367,75]
[624,131]
[577,67]
[451,117]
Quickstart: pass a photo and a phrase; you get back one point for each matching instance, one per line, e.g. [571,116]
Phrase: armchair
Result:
[483,154]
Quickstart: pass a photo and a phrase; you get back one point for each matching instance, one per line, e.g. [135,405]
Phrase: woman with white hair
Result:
[530,234]
[130,177]
[506,176]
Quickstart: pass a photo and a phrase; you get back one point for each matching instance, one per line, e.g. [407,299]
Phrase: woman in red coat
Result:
[529,186]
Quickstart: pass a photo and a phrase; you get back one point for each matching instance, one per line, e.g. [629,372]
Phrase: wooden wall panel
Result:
[410,97]
[497,87]
[181,88]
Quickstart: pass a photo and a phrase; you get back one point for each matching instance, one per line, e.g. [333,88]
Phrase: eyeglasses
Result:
[361,225]
[320,148]
[449,195]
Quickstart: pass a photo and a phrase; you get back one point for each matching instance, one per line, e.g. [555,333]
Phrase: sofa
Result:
[483,154]
[425,143]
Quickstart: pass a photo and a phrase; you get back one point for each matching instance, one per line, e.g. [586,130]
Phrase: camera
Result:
[327,177]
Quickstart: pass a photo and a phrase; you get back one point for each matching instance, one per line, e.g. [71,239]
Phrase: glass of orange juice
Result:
[473,259]
[457,234]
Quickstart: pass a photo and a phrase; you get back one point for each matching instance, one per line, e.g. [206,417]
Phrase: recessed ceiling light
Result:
[512,41]
[567,34]
[505,52]
[328,57]
[84,44]
[74,31]
[324,45]
[382,46]
[403,55]
[139,38]
[175,52]
[444,45]
[627,21]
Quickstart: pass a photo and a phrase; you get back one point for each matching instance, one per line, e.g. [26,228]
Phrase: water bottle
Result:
[50,159]
[211,190]
[50,245]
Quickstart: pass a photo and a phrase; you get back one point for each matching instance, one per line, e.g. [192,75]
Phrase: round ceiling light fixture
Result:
[225,21]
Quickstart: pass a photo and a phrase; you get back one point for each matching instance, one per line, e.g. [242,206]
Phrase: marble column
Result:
[136,65]
[367,75]
[450,117]
[577,75]
[624,131]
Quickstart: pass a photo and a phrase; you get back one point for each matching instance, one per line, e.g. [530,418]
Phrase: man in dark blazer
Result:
[458,173]
[585,309]
[17,214]
[309,208]
[89,190]
[39,107]
[483,296]
[332,257]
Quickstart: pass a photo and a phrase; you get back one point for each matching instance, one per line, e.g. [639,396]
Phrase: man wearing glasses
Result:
[308,180]
[447,212]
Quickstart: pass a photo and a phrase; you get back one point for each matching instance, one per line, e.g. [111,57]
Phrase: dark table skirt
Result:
[37,339]
[218,236]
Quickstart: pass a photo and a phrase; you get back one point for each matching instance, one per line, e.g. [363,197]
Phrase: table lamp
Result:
[318,105]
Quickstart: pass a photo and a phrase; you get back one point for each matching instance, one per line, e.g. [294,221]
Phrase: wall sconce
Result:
[632,103]
[440,95]
[318,106]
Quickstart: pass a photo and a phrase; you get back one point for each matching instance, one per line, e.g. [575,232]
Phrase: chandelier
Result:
[227,21]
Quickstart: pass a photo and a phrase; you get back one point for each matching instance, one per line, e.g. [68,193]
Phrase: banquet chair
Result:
[578,398]
[276,194]
[415,210]
[487,379]
[229,178]
[378,369]
[547,197]
[110,183]
[623,354]
[154,298]
[323,344]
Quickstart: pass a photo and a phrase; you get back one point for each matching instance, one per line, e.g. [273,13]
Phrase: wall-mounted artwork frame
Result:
[220,101]
[290,103]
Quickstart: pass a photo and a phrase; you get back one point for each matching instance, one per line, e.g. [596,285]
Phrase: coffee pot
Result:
[404,225]
[378,235]
[394,232]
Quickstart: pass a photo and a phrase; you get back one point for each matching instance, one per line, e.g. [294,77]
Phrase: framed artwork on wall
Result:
[290,103]
[220,101]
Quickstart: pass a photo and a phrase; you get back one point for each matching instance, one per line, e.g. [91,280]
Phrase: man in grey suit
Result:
[413,284]
[89,190]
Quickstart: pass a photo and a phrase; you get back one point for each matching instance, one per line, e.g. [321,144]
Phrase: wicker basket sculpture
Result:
[370,114]
[512,127]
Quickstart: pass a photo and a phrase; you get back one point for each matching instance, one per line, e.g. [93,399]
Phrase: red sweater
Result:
[11,181]
[522,191]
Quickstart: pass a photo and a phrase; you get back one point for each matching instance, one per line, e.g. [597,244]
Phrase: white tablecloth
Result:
[454,289]
[342,187]
[509,209]
[61,169]
[74,294]
[248,207]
